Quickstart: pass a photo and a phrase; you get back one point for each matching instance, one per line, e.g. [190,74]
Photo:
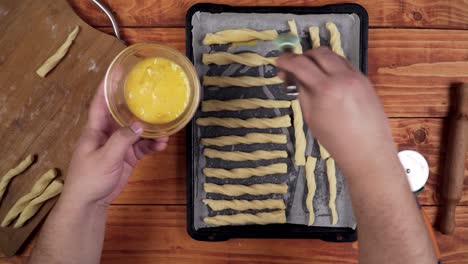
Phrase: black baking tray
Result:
[277,230]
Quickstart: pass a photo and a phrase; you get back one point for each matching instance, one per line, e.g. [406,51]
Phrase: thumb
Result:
[121,140]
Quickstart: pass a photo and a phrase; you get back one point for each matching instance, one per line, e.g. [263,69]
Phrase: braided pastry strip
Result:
[314,37]
[331,174]
[275,122]
[243,81]
[242,205]
[251,138]
[241,155]
[275,217]
[238,35]
[239,189]
[244,173]
[36,190]
[293,29]
[242,104]
[311,187]
[324,154]
[335,38]
[299,155]
[248,58]
[22,166]
[54,189]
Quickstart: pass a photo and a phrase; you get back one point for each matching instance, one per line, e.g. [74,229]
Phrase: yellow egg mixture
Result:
[157,90]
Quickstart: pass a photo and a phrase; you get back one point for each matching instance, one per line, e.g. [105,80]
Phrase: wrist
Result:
[73,204]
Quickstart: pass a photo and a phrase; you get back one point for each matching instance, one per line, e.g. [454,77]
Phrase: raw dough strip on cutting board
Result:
[311,187]
[275,217]
[250,138]
[314,36]
[335,38]
[53,60]
[239,189]
[293,30]
[244,173]
[242,81]
[238,35]
[300,139]
[247,58]
[331,174]
[37,189]
[241,155]
[54,189]
[20,168]
[242,205]
[275,122]
[242,104]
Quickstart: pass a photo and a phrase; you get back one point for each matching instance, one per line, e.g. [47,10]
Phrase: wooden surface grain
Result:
[417,49]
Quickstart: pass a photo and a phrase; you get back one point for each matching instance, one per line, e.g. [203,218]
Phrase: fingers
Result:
[329,62]
[302,68]
[147,146]
[121,141]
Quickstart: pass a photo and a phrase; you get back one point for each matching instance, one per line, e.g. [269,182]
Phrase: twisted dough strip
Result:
[54,189]
[243,81]
[331,174]
[311,187]
[324,152]
[22,166]
[238,35]
[276,122]
[36,190]
[242,104]
[239,189]
[248,58]
[251,138]
[314,37]
[241,155]
[242,205]
[275,217]
[293,29]
[299,156]
[335,38]
[244,173]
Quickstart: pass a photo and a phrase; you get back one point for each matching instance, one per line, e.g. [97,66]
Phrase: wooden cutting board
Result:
[43,116]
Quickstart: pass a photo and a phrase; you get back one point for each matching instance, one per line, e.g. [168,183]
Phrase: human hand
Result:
[340,106]
[105,156]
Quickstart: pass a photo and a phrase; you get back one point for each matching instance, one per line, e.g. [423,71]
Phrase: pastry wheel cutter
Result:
[286,42]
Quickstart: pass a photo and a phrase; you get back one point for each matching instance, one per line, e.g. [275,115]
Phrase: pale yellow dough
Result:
[238,35]
[331,174]
[242,81]
[244,173]
[22,166]
[293,30]
[238,189]
[54,189]
[275,217]
[311,187]
[247,58]
[242,104]
[299,155]
[37,189]
[275,122]
[335,38]
[314,36]
[250,138]
[241,155]
[53,60]
[324,154]
[242,205]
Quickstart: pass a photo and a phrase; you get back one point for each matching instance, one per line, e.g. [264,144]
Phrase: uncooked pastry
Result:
[300,141]
[242,104]
[241,155]
[314,37]
[335,38]
[244,173]
[242,205]
[22,166]
[242,81]
[311,187]
[275,217]
[324,154]
[293,29]
[238,35]
[247,58]
[239,189]
[53,60]
[275,122]
[250,138]
[331,174]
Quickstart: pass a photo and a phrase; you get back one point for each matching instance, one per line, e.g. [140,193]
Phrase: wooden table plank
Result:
[391,13]
[412,70]
[156,234]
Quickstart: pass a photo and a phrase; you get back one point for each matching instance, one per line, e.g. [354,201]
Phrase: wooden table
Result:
[417,49]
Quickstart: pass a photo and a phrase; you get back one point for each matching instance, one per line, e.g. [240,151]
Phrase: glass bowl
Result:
[114,87]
